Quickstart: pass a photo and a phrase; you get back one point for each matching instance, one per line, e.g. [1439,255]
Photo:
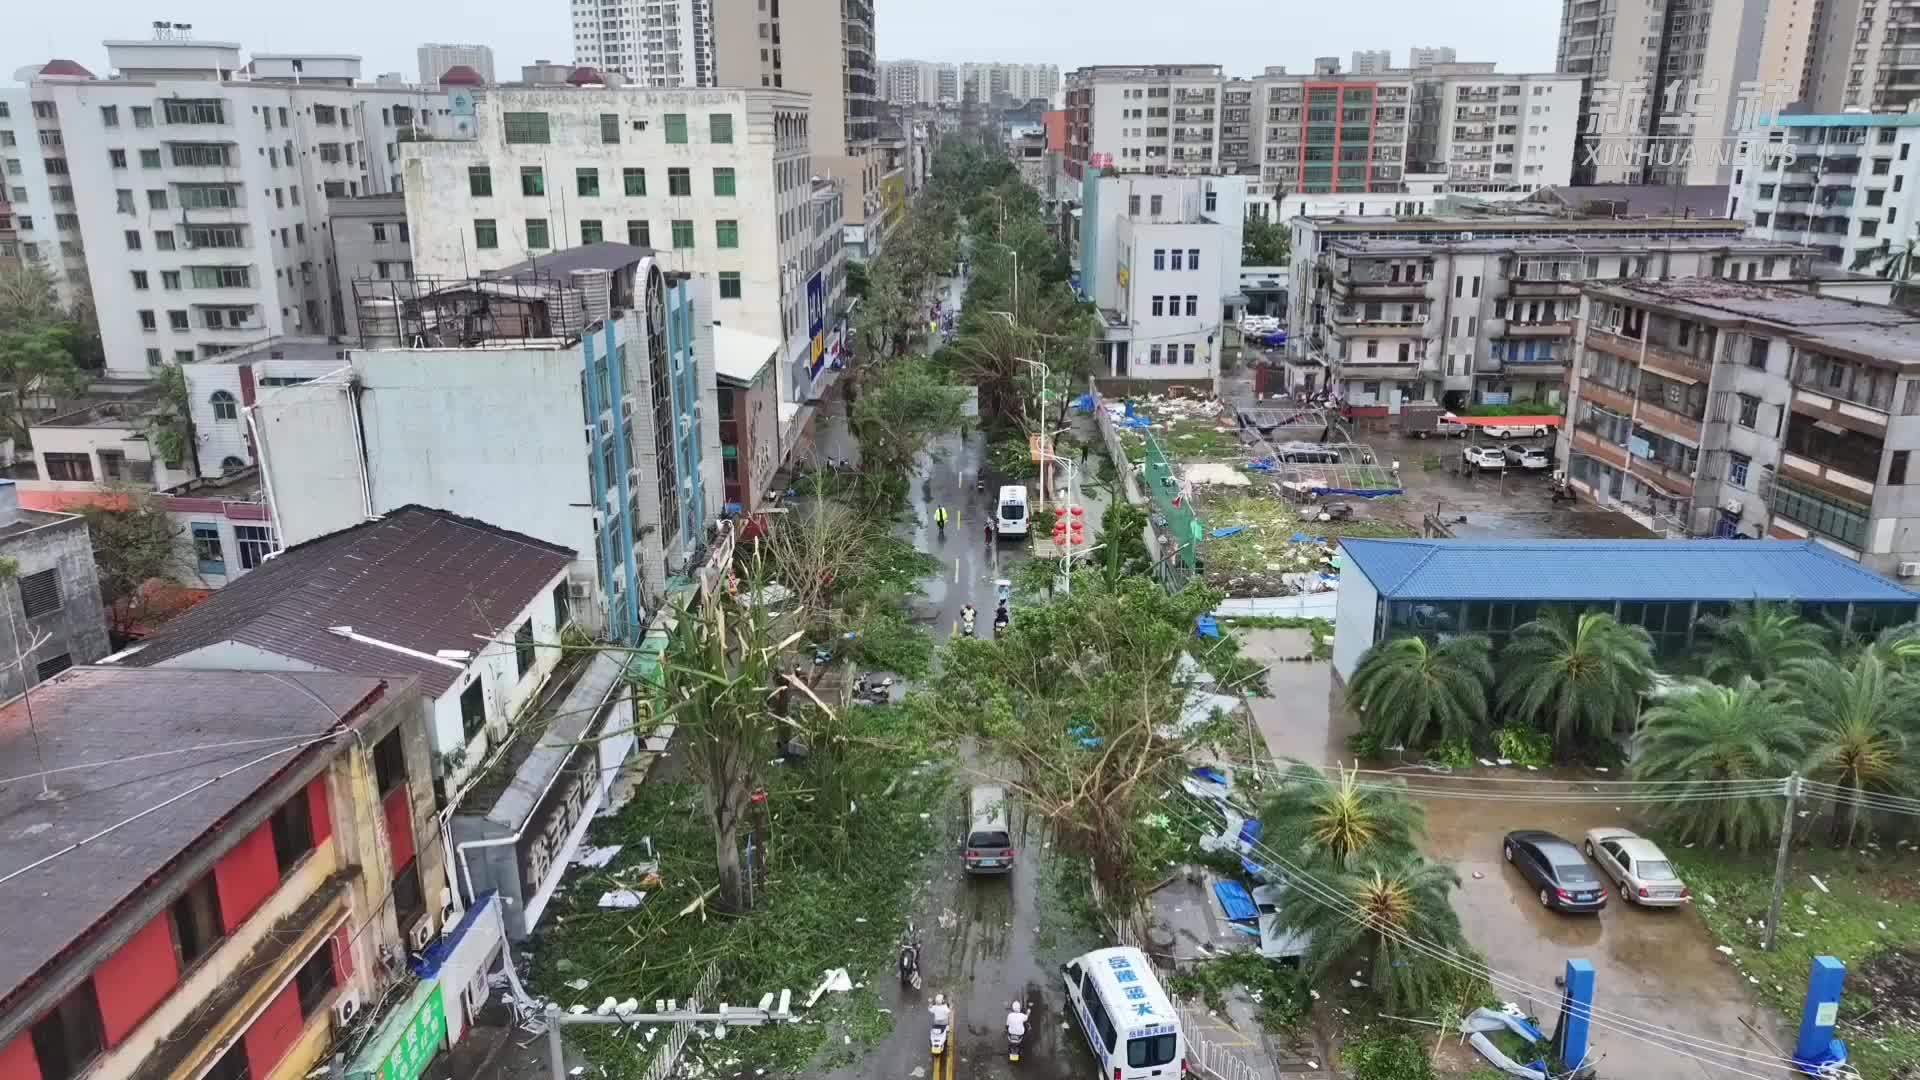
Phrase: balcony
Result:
[1543,287]
[1358,284]
[1585,441]
[1601,394]
[1193,116]
[1193,97]
[1347,326]
[1201,136]
[1667,478]
[1557,328]
[1674,425]
[1674,363]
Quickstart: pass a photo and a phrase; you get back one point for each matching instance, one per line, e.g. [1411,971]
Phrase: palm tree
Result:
[1409,689]
[1899,648]
[1702,733]
[1757,641]
[1577,675]
[1861,714]
[1898,266]
[1339,822]
[1393,909]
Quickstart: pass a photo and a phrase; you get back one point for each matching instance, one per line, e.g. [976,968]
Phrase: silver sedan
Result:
[1638,866]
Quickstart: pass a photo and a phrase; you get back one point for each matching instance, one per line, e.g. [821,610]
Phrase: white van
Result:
[1011,520]
[1125,1015]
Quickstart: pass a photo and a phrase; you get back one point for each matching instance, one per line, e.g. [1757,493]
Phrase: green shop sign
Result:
[408,1041]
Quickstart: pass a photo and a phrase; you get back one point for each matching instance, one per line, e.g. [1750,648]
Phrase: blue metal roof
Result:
[1846,120]
[1579,570]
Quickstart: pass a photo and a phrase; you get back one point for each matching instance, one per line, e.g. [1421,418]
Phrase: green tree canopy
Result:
[1340,822]
[1413,692]
[1703,735]
[1579,676]
[1758,641]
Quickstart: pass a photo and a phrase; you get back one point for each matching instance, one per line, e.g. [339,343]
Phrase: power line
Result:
[155,754]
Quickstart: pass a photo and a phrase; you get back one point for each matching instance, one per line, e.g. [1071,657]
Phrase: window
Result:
[133,235]
[1881,166]
[74,467]
[68,1038]
[315,980]
[1896,465]
[523,651]
[1757,353]
[196,919]
[1737,466]
[473,708]
[52,665]
[1133,205]
[40,593]
[212,277]
[226,236]
[639,234]
[177,320]
[389,762]
[526,127]
[163,241]
[149,159]
[146,321]
[1157,305]
[409,901]
[140,280]
[1153,355]
[1154,205]
[679,181]
[486,233]
[676,127]
[292,827]
[153,357]
[682,234]
[117,158]
[379,232]
[729,285]
[1160,258]
[479,181]
[537,234]
[1186,353]
[590,231]
[723,182]
[720,127]
[1193,305]
[1176,259]
[254,541]
[587,182]
[533,181]
[1749,410]
[206,548]
[726,234]
[609,127]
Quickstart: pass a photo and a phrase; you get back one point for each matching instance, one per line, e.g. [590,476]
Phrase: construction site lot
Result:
[1257,544]
[1189,429]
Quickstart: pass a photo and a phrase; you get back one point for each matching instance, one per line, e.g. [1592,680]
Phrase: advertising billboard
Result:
[817,323]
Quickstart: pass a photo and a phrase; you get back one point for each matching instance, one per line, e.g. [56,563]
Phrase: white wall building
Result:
[1160,258]
[1851,189]
[922,82]
[658,43]
[435,59]
[1371,61]
[718,182]
[203,196]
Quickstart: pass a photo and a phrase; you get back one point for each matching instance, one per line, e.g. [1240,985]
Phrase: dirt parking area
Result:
[1492,505]
[1655,966]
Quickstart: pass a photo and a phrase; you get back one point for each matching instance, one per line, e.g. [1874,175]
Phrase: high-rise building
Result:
[661,43]
[920,82]
[202,198]
[1427,56]
[1371,61]
[435,59]
[1671,86]
[1863,55]
[1851,188]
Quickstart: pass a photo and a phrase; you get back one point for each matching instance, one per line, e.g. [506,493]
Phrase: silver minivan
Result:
[989,848]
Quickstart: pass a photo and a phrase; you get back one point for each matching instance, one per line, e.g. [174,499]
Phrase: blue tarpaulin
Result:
[1211,775]
[1236,902]
[1231,530]
[1207,627]
[1277,338]
[1250,841]
[1084,403]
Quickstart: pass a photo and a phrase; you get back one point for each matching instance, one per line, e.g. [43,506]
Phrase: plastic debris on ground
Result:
[596,857]
[622,898]
[835,981]
[1483,1021]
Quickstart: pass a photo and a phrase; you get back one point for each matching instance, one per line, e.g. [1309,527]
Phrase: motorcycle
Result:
[966,622]
[1016,1030]
[910,958]
[937,1039]
[873,691]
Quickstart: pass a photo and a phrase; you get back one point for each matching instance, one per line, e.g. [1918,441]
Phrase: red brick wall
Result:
[135,980]
[246,877]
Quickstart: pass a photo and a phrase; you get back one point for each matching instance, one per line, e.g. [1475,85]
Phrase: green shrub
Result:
[1523,746]
[1455,754]
[1386,1057]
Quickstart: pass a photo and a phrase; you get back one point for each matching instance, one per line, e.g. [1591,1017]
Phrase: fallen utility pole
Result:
[769,1011]
[1780,863]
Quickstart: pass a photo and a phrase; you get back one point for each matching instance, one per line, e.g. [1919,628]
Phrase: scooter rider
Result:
[942,1012]
[967,617]
[940,520]
[1016,1028]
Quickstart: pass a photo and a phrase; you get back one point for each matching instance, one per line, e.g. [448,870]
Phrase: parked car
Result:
[1554,867]
[1483,457]
[1522,456]
[1516,431]
[1636,864]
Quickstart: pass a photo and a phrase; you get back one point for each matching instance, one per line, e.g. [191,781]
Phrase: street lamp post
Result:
[1040,421]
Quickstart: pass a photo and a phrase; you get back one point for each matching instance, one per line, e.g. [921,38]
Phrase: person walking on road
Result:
[940,520]
[989,532]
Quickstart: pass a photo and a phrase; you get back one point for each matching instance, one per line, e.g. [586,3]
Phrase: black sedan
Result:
[1556,868]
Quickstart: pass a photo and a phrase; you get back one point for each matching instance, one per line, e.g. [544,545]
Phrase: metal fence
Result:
[1210,1059]
[668,1055]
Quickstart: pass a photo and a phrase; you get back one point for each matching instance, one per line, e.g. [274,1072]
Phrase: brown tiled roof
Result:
[422,579]
[95,716]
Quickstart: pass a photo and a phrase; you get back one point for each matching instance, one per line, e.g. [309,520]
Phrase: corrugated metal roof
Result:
[421,579]
[1575,570]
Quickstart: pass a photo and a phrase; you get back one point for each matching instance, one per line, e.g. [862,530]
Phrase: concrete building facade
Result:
[369,240]
[1159,257]
[716,182]
[54,620]
[1847,185]
[1715,408]
[1481,308]
[204,195]
[436,58]
[656,43]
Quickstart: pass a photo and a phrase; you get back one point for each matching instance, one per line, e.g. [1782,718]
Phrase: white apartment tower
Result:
[658,43]
[1427,56]
[1371,61]
[435,59]
[194,205]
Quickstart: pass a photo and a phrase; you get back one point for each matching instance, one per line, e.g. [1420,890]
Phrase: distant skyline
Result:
[1073,34]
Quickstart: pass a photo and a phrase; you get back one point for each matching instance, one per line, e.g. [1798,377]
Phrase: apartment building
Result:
[1847,185]
[718,182]
[435,59]
[1426,56]
[1479,308]
[1159,257]
[52,595]
[1715,408]
[920,82]
[1861,55]
[657,43]
[1673,85]
[254,918]
[201,188]
[1326,133]
[470,398]
[1371,61]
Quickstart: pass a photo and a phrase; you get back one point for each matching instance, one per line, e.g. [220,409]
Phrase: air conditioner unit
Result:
[346,1007]
[1732,506]
[420,935]
[1909,569]
[578,590]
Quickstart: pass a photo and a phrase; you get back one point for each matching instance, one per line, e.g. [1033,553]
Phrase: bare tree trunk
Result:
[725,798]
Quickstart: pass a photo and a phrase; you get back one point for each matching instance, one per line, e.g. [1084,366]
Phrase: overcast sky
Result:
[1244,35]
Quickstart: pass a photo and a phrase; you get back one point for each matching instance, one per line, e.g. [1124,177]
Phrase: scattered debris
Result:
[1821,885]
[836,980]
[596,858]
[622,898]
